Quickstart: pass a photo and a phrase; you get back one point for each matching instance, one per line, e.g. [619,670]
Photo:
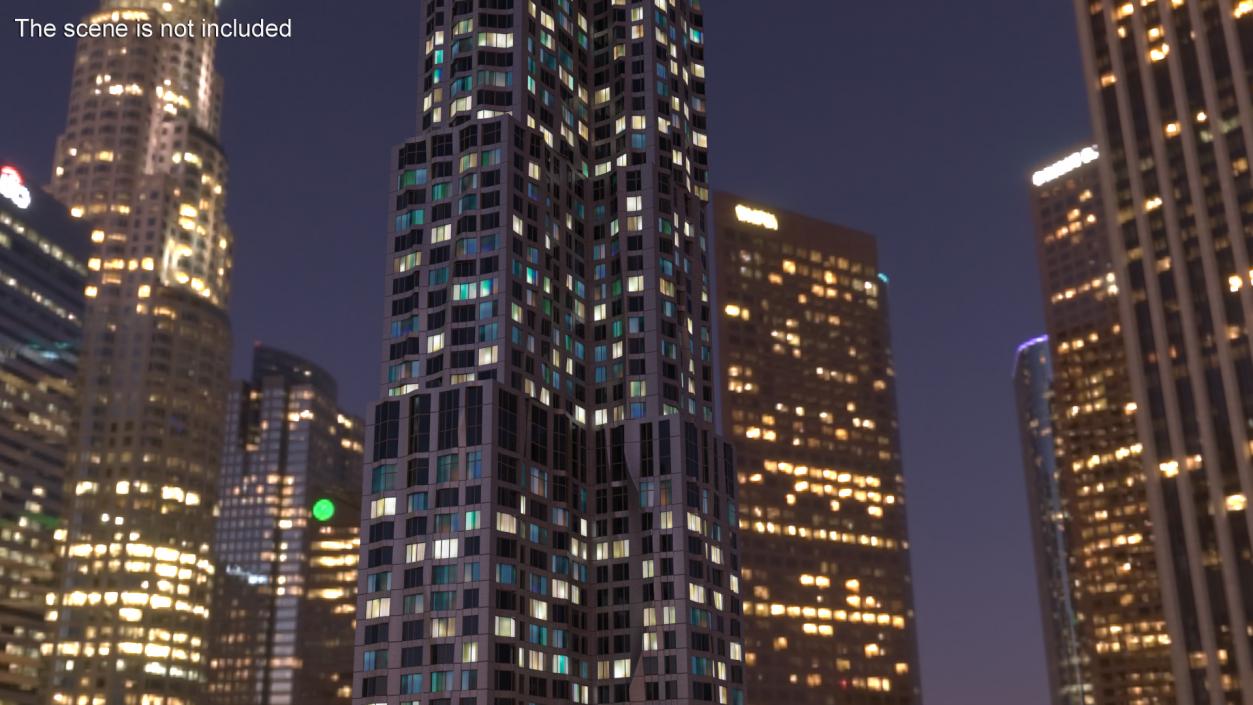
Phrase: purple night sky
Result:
[919,122]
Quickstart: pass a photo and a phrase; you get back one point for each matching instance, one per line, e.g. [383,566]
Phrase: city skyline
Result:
[905,282]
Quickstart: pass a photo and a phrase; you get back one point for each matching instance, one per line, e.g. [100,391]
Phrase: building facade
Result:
[549,514]
[1172,114]
[42,273]
[284,600]
[139,161]
[1124,646]
[1033,387]
[810,403]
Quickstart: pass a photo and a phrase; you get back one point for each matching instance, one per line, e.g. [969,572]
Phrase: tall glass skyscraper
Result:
[550,516]
[139,161]
[284,601]
[1171,108]
[810,401]
[42,273]
[1033,392]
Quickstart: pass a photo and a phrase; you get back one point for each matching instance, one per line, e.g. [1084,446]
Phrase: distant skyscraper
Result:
[1033,384]
[42,273]
[1107,539]
[1168,83]
[140,162]
[286,549]
[810,401]
[550,516]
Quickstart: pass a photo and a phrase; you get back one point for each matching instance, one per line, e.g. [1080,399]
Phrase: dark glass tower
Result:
[286,549]
[550,516]
[1033,387]
[140,163]
[1171,109]
[810,400]
[42,273]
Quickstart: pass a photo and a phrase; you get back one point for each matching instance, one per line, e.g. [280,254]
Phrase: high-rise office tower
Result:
[1168,83]
[550,516]
[140,162]
[1106,547]
[289,507]
[43,270]
[1033,387]
[810,402]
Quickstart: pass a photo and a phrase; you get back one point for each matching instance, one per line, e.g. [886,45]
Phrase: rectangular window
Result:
[496,40]
[446,468]
[441,681]
[443,600]
[382,478]
[417,501]
[415,604]
[449,411]
[404,263]
[384,506]
[415,552]
[413,177]
[378,607]
[374,660]
[410,683]
[386,430]
[506,627]
[506,523]
[506,574]
[443,627]
[446,548]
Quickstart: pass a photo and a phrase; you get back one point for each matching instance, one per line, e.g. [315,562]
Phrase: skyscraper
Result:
[1173,117]
[1033,386]
[284,600]
[810,401]
[140,162]
[1105,548]
[550,516]
[42,274]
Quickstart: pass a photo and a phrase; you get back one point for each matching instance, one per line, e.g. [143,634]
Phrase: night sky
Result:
[919,122]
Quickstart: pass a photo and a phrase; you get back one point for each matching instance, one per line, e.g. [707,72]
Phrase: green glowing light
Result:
[323,509]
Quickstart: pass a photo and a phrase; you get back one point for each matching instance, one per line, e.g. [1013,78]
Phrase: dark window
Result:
[386,430]
[448,411]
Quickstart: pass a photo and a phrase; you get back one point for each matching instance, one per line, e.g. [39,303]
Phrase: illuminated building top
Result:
[755,216]
[14,188]
[173,90]
[1065,165]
